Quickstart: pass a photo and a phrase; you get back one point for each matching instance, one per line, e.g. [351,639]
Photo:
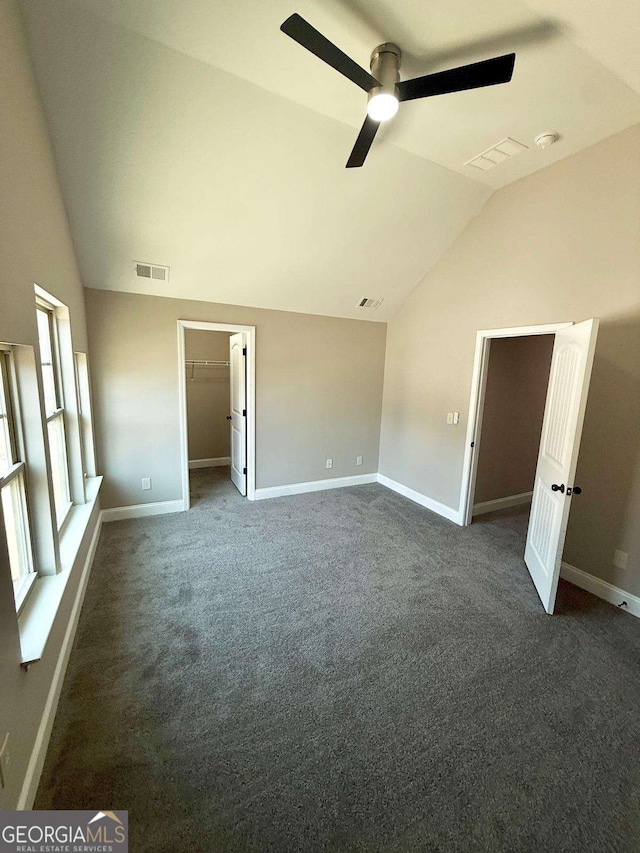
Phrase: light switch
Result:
[449,417]
[456,417]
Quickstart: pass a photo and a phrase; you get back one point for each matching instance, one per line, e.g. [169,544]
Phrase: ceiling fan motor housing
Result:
[385,67]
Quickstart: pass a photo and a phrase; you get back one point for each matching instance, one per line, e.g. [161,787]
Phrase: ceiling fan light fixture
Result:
[383,86]
[383,100]
[382,106]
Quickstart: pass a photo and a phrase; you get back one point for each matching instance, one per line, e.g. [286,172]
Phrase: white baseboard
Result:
[39,751]
[210,463]
[502,503]
[423,500]
[602,589]
[314,486]
[119,513]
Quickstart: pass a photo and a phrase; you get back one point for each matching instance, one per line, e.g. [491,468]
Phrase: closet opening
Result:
[217,397]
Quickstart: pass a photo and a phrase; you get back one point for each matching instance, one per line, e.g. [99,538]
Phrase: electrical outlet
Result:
[358,460]
[5,761]
[146,483]
[620,559]
[329,463]
[449,417]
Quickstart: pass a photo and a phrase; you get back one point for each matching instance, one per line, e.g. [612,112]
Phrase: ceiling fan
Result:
[384,88]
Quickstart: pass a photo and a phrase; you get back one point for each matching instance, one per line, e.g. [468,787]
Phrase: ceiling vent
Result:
[369,302]
[500,152]
[153,271]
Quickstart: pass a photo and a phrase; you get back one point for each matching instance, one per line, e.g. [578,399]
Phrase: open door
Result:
[238,370]
[559,444]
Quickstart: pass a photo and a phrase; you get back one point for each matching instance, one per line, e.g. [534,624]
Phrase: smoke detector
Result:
[544,140]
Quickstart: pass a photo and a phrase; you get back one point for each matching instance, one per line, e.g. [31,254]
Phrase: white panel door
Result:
[238,369]
[561,431]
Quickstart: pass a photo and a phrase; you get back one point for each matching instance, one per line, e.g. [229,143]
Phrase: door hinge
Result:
[244,470]
[244,413]
[244,350]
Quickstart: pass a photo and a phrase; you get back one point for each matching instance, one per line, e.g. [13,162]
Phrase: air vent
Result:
[500,152]
[368,302]
[154,271]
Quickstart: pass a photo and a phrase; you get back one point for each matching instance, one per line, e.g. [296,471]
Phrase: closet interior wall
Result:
[207,394]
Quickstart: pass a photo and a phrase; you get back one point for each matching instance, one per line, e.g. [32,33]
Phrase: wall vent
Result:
[153,271]
[498,153]
[369,302]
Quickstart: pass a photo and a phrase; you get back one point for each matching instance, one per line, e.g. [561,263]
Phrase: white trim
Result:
[250,332]
[520,331]
[315,486]
[476,405]
[423,500]
[39,751]
[217,462]
[602,589]
[502,503]
[118,513]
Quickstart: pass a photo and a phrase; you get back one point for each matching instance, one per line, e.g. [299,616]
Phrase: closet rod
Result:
[207,363]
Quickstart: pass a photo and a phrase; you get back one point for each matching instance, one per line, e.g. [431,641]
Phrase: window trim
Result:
[17,470]
[85,415]
[6,377]
[49,310]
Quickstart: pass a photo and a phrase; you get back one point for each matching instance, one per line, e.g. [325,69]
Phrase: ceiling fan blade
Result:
[363,143]
[489,72]
[302,32]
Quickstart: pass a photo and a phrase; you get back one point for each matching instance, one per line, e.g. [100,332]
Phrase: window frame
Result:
[59,413]
[17,471]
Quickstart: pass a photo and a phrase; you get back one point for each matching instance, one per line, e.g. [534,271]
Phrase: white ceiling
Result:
[557,84]
[195,134]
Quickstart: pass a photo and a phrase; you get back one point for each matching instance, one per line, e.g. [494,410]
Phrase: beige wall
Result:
[35,247]
[318,392]
[516,390]
[207,395]
[563,244]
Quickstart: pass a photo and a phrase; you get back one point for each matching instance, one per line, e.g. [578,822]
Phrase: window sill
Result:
[40,609]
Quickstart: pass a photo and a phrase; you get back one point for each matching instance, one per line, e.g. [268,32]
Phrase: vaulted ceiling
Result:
[193,133]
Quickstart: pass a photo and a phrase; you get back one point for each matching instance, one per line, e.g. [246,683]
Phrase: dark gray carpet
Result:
[344,671]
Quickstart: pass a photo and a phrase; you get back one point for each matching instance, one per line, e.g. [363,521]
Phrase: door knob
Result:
[575,491]
[557,488]
[228,417]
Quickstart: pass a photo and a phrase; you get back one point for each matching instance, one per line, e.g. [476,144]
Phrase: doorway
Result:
[509,433]
[216,364]
[560,431]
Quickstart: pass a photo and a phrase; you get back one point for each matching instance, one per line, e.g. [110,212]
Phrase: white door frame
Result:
[476,406]
[250,332]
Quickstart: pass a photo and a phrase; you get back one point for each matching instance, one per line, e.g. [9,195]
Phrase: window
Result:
[54,408]
[12,485]
[85,418]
